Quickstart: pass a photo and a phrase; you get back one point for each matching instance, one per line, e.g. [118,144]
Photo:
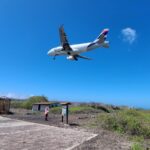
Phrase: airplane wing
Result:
[63,39]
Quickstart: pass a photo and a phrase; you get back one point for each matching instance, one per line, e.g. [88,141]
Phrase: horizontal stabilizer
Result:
[105,44]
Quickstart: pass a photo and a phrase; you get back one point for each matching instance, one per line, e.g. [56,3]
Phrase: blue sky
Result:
[118,75]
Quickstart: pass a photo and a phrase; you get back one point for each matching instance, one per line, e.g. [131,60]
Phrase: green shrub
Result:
[132,122]
[17,103]
[136,146]
[27,104]
[100,107]
[74,109]
[56,110]
[81,109]
[34,99]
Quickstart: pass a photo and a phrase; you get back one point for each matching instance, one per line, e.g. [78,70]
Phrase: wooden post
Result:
[65,111]
[67,114]
[62,118]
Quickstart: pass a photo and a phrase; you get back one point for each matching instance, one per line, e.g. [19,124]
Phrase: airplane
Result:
[73,51]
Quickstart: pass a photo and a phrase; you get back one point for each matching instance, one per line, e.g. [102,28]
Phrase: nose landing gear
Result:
[54,57]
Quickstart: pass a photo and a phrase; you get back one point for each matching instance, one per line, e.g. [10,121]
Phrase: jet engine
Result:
[70,57]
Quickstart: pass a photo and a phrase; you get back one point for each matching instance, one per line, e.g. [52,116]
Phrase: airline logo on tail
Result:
[103,33]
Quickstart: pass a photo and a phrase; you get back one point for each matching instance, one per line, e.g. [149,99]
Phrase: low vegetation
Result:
[82,109]
[27,103]
[55,110]
[104,108]
[130,121]
[137,146]
[74,110]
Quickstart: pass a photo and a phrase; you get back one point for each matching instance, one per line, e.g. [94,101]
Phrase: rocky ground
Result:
[104,140]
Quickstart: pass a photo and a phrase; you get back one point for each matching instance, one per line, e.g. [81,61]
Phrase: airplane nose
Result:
[50,52]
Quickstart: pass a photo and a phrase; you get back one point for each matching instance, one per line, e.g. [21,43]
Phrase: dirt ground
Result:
[105,140]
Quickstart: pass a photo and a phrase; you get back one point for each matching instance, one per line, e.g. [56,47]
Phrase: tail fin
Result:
[102,37]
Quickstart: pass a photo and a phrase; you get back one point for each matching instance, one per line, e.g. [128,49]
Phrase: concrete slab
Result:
[22,135]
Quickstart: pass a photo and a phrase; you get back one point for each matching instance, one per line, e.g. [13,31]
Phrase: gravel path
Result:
[22,135]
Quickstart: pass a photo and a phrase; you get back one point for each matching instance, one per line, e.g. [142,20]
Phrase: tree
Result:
[34,99]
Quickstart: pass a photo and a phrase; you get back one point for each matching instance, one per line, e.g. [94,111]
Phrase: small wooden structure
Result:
[65,111]
[41,106]
[4,105]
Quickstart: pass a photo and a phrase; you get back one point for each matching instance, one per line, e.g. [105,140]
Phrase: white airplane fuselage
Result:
[76,49]
[73,51]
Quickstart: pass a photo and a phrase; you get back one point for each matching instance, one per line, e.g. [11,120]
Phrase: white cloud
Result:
[13,95]
[129,35]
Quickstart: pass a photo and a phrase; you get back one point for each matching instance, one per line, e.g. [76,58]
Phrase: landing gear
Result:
[75,58]
[54,57]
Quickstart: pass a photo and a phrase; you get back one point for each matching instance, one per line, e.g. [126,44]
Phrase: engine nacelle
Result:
[70,57]
[105,44]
